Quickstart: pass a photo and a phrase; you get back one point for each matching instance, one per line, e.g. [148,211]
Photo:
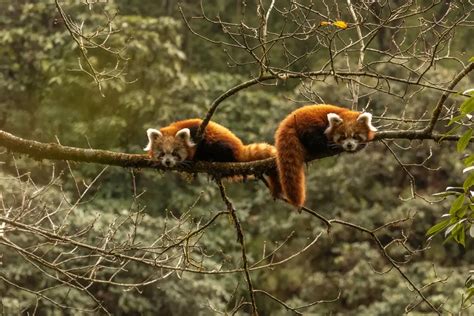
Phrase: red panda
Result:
[316,131]
[176,143]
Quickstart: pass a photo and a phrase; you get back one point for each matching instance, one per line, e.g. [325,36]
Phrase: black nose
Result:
[167,163]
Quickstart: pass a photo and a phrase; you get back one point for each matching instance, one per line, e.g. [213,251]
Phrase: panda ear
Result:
[153,134]
[185,134]
[366,118]
[333,120]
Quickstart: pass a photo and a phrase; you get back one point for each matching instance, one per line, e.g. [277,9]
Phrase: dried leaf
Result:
[340,24]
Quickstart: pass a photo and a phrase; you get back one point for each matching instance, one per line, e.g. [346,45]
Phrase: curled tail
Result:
[260,151]
[290,164]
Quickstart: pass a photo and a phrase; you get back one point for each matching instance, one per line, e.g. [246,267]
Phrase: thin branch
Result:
[83,51]
[439,106]
[42,296]
[283,75]
[221,98]
[279,301]
[241,240]
[360,64]
[379,244]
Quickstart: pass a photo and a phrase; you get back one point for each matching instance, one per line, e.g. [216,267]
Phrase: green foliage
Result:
[170,295]
[461,214]
[459,222]
[173,75]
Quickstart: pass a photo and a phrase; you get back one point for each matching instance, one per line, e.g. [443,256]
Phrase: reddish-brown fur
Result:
[303,126]
[214,133]
[226,145]
[217,133]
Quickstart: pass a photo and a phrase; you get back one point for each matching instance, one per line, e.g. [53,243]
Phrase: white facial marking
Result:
[334,120]
[185,133]
[170,157]
[367,119]
[152,134]
[168,160]
[350,144]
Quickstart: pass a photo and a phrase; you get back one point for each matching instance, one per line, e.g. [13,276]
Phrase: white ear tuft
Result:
[185,134]
[334,120]
[366,118]
[152,134]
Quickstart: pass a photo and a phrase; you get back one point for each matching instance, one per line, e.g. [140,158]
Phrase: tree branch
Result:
[241,240]
[310,74]
[53,151]
[392,262]
[38,150]
[439,106]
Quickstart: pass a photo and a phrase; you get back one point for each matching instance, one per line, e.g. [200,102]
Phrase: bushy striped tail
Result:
[290,164]
[260,151]
[257,151]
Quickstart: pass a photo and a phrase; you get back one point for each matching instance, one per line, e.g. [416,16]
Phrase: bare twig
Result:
[241,240]
[437,110]
[392,262]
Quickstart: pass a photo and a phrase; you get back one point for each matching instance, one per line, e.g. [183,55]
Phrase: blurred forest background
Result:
[154,70]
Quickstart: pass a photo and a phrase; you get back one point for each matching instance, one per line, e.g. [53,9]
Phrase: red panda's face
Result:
[169,149]
[351,131]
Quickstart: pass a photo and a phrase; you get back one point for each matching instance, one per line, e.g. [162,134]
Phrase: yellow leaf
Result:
[340,24]
[325,23]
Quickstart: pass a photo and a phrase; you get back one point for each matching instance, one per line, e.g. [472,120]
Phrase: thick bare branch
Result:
[38,150]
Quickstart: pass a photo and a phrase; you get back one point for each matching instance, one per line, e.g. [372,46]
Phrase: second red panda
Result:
[176,143]
[316,131]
